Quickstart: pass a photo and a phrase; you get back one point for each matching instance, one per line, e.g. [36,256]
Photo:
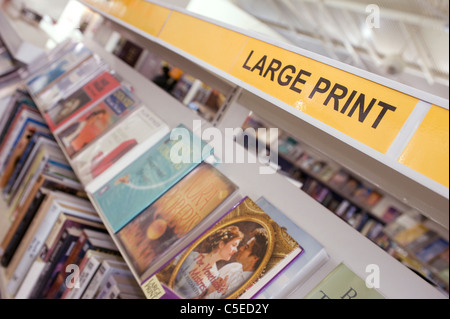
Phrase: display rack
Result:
[342,242]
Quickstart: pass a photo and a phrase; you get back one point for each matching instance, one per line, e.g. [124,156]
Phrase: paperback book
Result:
[145,179]
[236,258]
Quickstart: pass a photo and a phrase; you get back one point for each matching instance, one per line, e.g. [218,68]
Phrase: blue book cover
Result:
[313,257]
[148,177]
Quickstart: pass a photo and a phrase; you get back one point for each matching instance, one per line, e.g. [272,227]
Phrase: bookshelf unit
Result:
[342,242]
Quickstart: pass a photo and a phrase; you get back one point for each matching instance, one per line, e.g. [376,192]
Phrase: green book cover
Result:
[343,283]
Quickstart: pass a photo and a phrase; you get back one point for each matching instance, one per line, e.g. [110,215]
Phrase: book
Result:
[343,283]
[122,144]
[107,268]
[96,120]
[73,54]
[313,257]
[90,93]
[236,258]
[145,179]
[190,205]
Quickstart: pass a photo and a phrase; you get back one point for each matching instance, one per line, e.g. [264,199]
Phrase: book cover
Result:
[343,283]
[236,258]
[96,120]
[154,232]
[121,144]
[66,109]
[145,179]
[312,258]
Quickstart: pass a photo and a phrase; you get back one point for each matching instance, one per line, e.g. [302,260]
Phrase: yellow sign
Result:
[364,110]
[213,44]
[428,150]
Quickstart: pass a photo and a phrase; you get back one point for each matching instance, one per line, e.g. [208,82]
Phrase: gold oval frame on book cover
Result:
[261,221]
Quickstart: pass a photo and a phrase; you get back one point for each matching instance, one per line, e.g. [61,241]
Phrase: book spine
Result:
[85,277]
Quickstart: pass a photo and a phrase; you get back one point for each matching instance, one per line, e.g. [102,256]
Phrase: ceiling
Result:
[405,40]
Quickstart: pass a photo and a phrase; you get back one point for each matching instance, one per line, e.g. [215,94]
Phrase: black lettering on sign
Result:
[356,104]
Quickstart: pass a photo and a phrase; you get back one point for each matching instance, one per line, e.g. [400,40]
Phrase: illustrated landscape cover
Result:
[236,258]
[145,179]
[153,233]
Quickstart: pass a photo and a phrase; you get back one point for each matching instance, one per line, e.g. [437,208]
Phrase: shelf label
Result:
[210,43]
[364,110]
[428,150]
